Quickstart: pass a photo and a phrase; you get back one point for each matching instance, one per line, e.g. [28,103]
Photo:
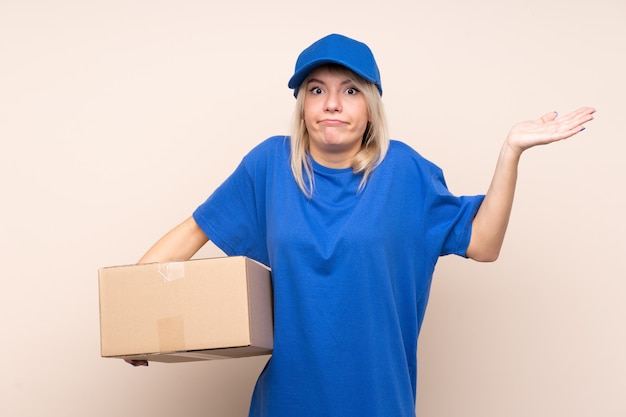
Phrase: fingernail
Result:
[556,113]
[583,129]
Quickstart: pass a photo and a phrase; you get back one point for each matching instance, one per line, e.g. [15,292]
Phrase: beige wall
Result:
[118,117]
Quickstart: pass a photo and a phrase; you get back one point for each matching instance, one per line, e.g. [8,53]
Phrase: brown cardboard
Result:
[184,311]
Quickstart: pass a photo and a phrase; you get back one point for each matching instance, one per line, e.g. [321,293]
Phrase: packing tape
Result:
[172,270]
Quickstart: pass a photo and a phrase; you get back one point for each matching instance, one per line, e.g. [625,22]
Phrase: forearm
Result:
[179,244]
[492,219]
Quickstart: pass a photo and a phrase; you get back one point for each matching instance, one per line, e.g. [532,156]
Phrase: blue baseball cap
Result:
[336,49]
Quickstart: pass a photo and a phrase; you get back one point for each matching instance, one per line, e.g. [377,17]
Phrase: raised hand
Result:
[490,223]
[548,128]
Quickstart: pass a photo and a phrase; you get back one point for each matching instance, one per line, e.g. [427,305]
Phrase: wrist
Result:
[510,151]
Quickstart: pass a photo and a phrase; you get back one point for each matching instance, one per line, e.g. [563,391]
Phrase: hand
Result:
[548,129]
[137,362]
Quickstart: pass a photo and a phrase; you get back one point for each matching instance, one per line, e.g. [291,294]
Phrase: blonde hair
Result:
[375,138]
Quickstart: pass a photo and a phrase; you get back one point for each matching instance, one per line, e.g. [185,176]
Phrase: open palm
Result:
[548,128]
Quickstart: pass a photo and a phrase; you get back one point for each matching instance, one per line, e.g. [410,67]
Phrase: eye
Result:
[352,91]
[315,90]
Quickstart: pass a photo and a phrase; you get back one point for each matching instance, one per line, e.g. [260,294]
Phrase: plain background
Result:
[117,118]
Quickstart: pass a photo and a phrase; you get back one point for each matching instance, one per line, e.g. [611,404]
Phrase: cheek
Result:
[306,111]
[306,118]
[365,118]
[364,112]
[309,127]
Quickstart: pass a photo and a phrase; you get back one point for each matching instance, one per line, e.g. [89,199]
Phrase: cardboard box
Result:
[185,311]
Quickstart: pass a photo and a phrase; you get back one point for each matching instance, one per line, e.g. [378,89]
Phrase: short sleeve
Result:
[232,219]
[448,218]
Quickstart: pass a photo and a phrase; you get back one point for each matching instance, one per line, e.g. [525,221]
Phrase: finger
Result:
[548,117]
[578,118]
[586,110]
[568,130]
[583,114]
[137,362]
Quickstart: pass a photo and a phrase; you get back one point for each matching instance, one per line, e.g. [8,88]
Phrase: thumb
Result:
[548,117]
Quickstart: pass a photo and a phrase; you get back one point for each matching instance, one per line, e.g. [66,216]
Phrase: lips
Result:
[332,122]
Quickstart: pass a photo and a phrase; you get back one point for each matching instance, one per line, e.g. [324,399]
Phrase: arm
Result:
[179,244]
[491,221]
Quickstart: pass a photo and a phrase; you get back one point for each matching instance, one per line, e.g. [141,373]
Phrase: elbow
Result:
[486,257]
[484,248]
[483,255]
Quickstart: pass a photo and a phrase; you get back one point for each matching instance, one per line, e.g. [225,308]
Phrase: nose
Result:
[333,102]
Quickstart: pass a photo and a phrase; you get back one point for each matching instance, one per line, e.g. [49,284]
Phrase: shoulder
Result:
[270,154]
[402,155]
[271,146]
[271,149]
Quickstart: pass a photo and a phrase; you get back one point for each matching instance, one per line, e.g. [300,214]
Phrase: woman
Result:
[352,225]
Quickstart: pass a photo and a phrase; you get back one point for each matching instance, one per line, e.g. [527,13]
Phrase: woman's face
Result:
[336,116]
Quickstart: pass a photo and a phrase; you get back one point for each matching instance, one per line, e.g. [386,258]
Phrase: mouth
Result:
[332,122]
